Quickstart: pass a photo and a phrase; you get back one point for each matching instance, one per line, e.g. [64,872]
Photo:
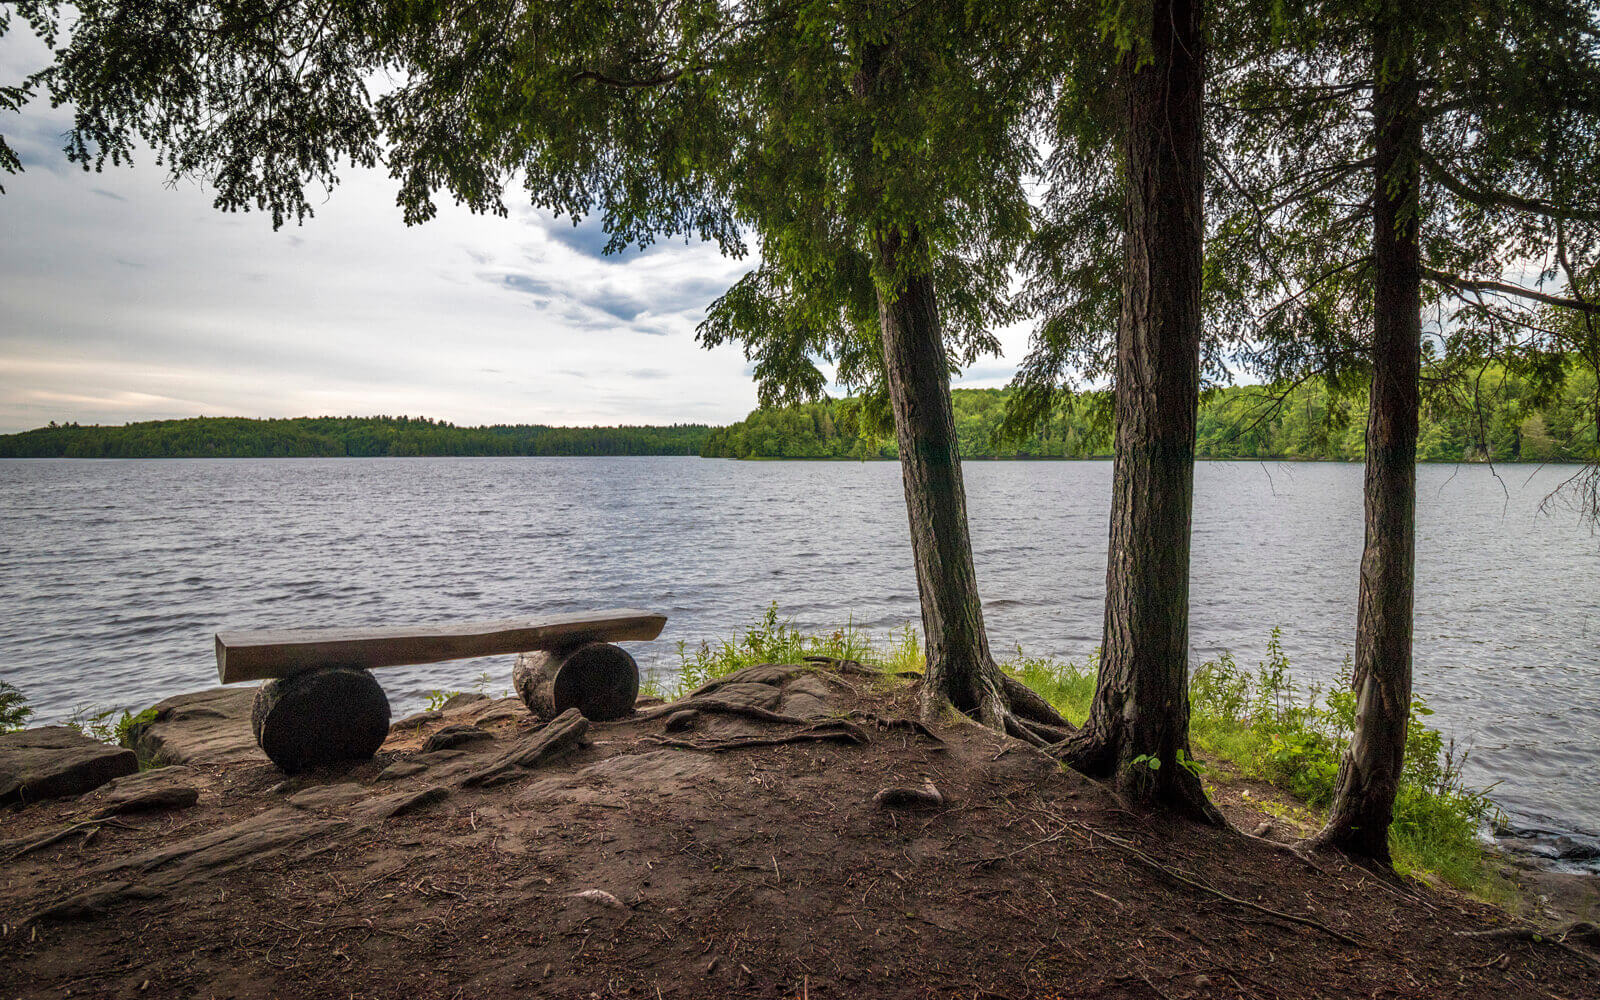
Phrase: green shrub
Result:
[14,710]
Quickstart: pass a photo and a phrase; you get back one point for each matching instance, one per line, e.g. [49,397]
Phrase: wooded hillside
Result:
[1504,422]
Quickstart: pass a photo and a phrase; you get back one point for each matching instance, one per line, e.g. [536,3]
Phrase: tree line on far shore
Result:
[1505,420]
[338,437]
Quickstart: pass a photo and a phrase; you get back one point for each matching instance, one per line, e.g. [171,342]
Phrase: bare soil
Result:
[633,867]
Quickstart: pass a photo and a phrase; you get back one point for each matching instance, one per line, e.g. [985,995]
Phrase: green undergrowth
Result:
[1259,724]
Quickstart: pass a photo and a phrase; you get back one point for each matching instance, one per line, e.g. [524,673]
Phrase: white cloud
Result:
[125,298]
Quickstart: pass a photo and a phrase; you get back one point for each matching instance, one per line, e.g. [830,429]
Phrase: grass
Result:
[1259,722]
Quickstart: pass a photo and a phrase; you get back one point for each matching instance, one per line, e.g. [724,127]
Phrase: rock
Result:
[499,711]
[416,720]
[53,762]
[657,773]
[451,737]
[398,804]
[328,796]
[924,796]
[556,737]
[147,791]
[762,696]
[770,674]
[401,769]
[247,842]
[677,722]
[807,697]
[463,702]
[320,717]
[1262,829]
[600,897]
[201,727]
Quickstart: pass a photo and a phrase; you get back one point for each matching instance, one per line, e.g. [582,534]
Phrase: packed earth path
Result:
[787,831]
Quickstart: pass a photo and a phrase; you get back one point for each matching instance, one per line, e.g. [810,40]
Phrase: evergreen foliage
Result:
[337,437]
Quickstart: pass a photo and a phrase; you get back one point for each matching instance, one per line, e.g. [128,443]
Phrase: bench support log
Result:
[320,717]
[598,679]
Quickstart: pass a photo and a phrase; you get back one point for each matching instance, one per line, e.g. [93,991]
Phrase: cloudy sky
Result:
[123,298]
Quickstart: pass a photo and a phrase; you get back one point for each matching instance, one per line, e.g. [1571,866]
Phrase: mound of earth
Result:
[785,832]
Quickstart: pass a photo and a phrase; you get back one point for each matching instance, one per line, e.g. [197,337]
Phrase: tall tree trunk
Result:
[960,671]
[1369,774]
[1137,733]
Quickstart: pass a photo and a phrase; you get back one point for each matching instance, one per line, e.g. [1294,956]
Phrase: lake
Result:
[115,574]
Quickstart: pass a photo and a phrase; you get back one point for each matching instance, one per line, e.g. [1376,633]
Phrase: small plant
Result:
[14,709]
[437,698]
[110,725]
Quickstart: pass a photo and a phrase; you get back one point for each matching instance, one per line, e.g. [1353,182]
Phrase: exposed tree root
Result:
[1582,930]
[712,706]
[832,731]
[89,828]
[1096,754]
[1142,858]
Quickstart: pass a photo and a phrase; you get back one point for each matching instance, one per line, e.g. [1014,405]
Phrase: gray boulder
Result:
[201,727]
[53,762]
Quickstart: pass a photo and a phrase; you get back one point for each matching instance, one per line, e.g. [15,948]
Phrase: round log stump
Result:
[598,679]
[320,717]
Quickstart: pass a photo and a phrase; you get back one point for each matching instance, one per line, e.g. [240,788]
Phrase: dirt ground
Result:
[680,864]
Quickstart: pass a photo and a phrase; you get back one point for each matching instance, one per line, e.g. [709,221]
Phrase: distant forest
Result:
[335,437]
[1499,420]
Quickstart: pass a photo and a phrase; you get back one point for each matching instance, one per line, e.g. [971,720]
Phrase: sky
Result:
[124,297]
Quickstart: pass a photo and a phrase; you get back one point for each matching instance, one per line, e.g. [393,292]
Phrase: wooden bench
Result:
[321,703]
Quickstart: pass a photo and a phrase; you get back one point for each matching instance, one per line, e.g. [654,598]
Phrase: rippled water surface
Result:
[114,575]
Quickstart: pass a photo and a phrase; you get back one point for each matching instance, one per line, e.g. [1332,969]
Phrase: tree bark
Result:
[1369,773]
[1137,733]
[960,671]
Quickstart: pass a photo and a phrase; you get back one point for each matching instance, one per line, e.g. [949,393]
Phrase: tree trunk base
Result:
[1168,786]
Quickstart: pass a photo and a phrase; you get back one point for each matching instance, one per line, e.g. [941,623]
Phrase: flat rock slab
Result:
[147,791]
[202,727]
[53,762]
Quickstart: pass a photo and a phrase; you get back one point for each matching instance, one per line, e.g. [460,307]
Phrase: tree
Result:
[1465,136]
[1137,732]
[875,152]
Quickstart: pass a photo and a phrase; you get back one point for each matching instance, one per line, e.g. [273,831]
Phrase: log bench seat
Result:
[320,703]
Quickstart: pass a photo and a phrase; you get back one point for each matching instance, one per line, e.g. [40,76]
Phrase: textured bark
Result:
[599,679]
[1369,774]
[960,670]
[1137,733]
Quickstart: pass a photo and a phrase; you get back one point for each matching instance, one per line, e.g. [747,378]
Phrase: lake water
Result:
[115,574]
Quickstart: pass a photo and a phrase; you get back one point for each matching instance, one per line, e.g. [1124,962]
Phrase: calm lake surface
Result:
[115,574]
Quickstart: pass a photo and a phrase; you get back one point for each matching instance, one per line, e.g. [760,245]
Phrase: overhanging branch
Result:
[1505,288]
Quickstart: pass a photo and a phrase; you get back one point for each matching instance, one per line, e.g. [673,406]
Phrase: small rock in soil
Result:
[924,796]
[53,762]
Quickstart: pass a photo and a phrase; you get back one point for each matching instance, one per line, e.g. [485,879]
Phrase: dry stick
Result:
[1203,887]
[61,835]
